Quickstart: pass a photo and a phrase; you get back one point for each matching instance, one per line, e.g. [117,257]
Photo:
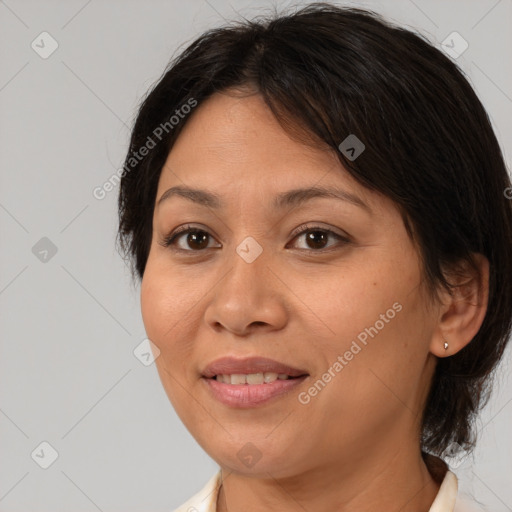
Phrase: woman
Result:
[316,207]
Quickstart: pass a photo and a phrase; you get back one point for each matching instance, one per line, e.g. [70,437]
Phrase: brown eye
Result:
[317,238]
[195,240]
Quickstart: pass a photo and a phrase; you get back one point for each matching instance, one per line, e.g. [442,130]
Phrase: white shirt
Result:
[206,499]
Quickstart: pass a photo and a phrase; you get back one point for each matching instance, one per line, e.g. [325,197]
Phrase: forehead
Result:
[231,136]
[239,127]
[233,146]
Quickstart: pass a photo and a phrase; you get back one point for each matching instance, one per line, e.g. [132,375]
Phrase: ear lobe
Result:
[463,312]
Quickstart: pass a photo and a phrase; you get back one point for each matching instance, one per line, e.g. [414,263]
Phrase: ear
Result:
[462,312]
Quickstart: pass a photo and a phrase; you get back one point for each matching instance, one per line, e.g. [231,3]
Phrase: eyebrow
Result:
[290,198]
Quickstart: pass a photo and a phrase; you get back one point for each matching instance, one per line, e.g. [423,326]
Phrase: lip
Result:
[250,395]
[244,396]
[230,365]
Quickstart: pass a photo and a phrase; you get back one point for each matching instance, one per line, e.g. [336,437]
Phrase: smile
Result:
[245,395]
[251,378]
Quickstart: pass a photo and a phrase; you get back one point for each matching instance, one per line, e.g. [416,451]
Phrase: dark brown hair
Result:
[429,146]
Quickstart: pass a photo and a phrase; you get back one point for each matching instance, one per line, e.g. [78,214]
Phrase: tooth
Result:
[255,378]
[252,378]
[269,377]
[238,378]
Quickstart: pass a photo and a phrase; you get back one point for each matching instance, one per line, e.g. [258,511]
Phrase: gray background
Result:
[69,324]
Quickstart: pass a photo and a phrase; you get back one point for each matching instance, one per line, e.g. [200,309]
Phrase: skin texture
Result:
[355,445]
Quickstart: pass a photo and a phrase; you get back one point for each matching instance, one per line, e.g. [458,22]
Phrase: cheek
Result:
[160,314]
[348,301]
[382,372]
[377,325]
[151,302]
[168,299]
[164,318]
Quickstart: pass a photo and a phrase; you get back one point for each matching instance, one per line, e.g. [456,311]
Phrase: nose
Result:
[248,297]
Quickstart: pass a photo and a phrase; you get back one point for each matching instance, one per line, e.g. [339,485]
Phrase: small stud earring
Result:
[446,345]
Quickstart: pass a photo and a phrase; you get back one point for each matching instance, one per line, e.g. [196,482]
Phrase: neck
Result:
[401,482]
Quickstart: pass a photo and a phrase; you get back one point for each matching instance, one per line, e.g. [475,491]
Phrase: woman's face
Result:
[327,285]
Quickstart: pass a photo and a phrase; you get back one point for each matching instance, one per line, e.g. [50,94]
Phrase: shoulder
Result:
[465,503]
[448,498]
[447,494]
[206,499]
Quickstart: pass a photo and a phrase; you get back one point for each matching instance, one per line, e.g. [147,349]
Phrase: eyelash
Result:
[170,240]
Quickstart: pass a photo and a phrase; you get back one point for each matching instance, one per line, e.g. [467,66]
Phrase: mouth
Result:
[250,382]
[256,368]
[252,379]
